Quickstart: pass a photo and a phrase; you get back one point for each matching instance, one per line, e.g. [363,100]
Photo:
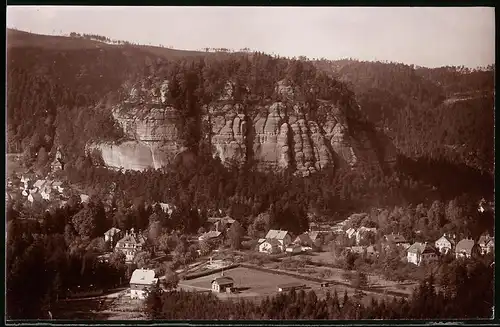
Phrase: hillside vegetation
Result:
[60,90]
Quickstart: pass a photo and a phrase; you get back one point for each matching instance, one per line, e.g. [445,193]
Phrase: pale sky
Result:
[430,37]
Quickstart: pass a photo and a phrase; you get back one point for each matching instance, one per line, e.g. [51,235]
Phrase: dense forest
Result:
[452,106]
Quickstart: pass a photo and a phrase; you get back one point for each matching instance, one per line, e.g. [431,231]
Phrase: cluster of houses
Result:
[41,189]
[425,252]
[277,241]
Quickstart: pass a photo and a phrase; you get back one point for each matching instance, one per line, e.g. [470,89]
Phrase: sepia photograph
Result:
[249,163]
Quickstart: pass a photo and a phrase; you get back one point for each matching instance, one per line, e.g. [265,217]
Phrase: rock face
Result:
[275,136]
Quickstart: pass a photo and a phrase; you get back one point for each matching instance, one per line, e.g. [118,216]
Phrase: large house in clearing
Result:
[142,281]
[421,252]
[275,240]
[130,244]
[445,244]
[222,284]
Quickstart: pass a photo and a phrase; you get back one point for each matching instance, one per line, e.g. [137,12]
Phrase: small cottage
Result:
[362,232]
[294,248]
[444,244]
[131,244]
[419,253]
[141,282]
[282,236]
[211,235]
[304,240]
[222,284]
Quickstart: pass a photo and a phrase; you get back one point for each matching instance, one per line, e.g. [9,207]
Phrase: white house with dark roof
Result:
[141,282]
[222,284]
[270,246]
[282,236]
[131,244]
[445,244]
[419,252]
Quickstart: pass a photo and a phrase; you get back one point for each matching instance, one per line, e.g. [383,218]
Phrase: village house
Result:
[419,253]
[131,244]
[142,282]
[84,198]
[112,236]
[362,232]
[220,224]
[283,237]
[304,240]
[370,251]
[35,197]
[486,243]
[46,191]
[445,244]
[25,183]
[58,186]
[210,235]
[316,238]
[351,232]
[270,246]
[222,284]
[395,240]
[296,248]
[466,248]
[39,184]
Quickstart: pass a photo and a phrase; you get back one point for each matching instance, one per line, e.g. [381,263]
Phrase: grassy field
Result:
[253,282]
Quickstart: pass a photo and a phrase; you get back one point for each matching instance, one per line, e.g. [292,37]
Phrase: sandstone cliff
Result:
[275,135]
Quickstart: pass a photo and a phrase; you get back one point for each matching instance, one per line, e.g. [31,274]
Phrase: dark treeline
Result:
[48,259]
[468,294]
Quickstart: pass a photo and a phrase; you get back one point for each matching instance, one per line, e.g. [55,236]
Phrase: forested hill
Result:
[442,113]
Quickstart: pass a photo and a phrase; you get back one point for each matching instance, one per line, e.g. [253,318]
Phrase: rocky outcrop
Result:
[275,136]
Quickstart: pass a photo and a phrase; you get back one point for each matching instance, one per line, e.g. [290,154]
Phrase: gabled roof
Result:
[465,245]
[56,184]
[421,248]
[210,234]
[84,197]
[276,234]
[272,241]
[445,237]
[224,280]
[484,239]
[303,238]
[143,277]
[313,235]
